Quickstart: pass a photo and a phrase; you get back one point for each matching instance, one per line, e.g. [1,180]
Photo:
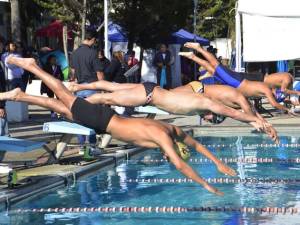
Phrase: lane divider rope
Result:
[162,209]
[252,145]
[216,181]
[226,160]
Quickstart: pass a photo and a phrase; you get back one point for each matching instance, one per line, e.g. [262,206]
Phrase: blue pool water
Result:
[109,188]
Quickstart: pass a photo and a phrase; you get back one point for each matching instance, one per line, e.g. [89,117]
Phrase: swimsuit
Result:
[228,76]
[149,87]
[94,116]
[234,79]
[197,86]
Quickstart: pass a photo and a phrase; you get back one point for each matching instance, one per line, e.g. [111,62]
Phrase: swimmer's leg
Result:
[205,64]
[126,97]
[209,57]
[100,85]
[50,103]
[29,64]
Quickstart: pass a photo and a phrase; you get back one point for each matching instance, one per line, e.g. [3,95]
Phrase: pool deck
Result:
[45,178]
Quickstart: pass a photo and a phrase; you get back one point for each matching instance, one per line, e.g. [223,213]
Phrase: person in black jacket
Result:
[52,68]
[3,119]
[162,61]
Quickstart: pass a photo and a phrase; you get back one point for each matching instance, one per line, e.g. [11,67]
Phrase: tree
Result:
[148,22]
[215,18]
[65,10]
[15,21]
[72,12]
[30,13]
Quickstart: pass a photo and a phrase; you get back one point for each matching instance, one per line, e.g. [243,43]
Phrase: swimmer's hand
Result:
[271,132]
[223,168]
[258,125]
[293,113]
[213,189]
[192,45]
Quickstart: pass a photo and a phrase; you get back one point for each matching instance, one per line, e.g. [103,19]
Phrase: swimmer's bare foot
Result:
[192,45]
[189,55]
[207,75]
[24,63]
[10,95]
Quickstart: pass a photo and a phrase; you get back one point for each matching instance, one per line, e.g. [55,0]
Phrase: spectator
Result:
[103,60]
[162,61]
[115,71]
[14,73]
[131,62]
[3,118]
[27,76]
[52,68]
[86,68]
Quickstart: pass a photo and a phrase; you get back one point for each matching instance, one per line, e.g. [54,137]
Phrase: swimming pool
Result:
[119,187]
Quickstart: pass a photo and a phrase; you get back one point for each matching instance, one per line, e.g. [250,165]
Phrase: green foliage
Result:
[94,12]
[148,22]
[215,18]
[65,10]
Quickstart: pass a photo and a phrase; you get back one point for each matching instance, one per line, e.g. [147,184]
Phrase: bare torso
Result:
[252,88]
[275,80]
[138,131]
[177,102]
[221,93]
[224,94]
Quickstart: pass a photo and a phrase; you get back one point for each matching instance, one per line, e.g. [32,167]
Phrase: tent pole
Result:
[106,50]
[238,41]
[195,26]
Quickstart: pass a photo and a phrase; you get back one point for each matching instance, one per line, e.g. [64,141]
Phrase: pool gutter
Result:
[44,184]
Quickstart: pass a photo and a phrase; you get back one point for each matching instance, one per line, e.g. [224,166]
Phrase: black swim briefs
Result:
[94,116]
[149,87]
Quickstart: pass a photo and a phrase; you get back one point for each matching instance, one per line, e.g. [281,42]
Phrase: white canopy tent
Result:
[267,30]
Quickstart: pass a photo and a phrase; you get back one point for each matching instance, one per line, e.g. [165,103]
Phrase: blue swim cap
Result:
[280,95]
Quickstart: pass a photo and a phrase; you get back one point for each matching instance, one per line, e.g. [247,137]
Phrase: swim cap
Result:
[216,118]
[280,96]
[182,150]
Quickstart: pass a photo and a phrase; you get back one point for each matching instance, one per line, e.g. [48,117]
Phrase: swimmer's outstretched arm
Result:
[291,92]
[248,108]
[167,146]
[268,93]
[232,113]
[188,140]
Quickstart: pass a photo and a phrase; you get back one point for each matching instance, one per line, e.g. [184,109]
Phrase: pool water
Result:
[110,188]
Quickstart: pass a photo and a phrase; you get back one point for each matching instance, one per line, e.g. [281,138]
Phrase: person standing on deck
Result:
[86,68]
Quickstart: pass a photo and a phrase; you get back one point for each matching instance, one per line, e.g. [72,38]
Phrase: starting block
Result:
[68,129]
[8,144]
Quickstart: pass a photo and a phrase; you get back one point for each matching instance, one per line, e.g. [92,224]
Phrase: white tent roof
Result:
[276,8]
